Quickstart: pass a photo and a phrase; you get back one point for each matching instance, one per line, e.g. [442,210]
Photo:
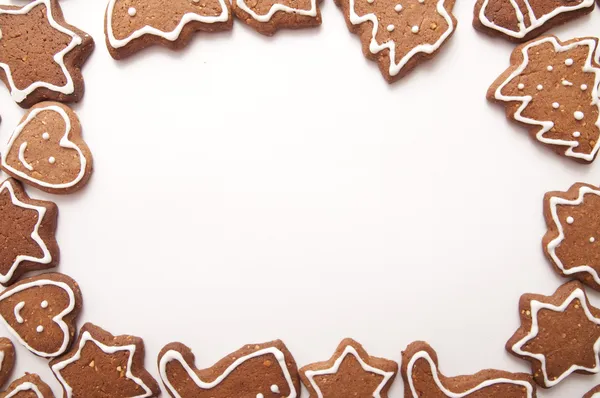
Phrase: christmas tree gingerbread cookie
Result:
[267,16]
[40,54]
[28,386]
[551,88]
[399,34]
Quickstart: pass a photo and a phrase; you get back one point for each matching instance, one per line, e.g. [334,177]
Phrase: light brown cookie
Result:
[27,230]
[399,34]
[47,151]
[350,372]
[132,25]
[559,334]
[522,20]
[28,386]
[7,359]
[267,16]
[254,371]
[551,88]
[40,54]
[423,379]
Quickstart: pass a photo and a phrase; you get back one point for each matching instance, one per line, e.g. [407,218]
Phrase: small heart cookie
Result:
[46,150]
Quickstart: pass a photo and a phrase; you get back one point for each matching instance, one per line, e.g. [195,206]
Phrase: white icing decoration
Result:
[592,239]
[51,160]
[39,329]
[570,220]
[22,159]
[540,87]
[569,62]
[415,29]
[275,389]
[520,86]
[132,11]
[349,350]
[173,355]
[584,87]
[149,30]
[526,99]
[535,22]
[1,359]
[578,115]
[26,386]
[46,136]
[398,7]
[434,372]
[259,395]
[565,82]
[536,306]
[556,105]
[17,311]
[47,257]
[550,68]
[422,1]
[577,134]
[69,87]
[311,12]
[65,142]
[44,304]
[87,337]
[375,47]
[390,28]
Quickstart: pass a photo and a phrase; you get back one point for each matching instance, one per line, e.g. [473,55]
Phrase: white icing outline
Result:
[58,319]
[64,142]
[535,21]
[47,258]
[147,29]
[17,311]
[26,386]
[173,355]
[311,12]
[85,337]
[22,159]
[434,371]
[349,350]
[526,99]
[536,306]
[59,58]
[375,47]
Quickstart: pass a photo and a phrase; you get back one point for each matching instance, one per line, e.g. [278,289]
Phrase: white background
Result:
[251,188]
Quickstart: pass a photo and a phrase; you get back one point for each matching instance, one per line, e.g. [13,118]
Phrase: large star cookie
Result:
[267,16]
[40,54]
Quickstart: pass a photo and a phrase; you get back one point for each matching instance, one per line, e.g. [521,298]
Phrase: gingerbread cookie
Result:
[350,372]
[552,88]
[573,225]
[101,365]
[41,311]
[399,34]
[559,334]
[46,150]
[269,16]
[40,54]
[132,25]
[27,229]
[593,393]
[28,386]
[423,379]
[254,371]
[522,20]
[7,359]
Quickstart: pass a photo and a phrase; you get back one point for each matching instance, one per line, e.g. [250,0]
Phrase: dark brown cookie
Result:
[27,230]
[41,55]
[254,371]
[350,372]
[267,16]
[559,334]
[7,359]
[132,25]
[28,386]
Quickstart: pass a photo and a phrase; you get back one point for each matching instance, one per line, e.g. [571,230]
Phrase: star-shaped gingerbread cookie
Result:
[350,372]
[559,334]
[40,54]
[27,230]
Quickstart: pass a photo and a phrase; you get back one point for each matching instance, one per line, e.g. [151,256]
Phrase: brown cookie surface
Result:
[132,25]
[559,334]
[350,372]
[254,371]
[399,34]
[28,386]
[267,16]
[53,51]
[46,150]
[27,229]
[551,88]
[522,20]
[423,379]
[593,393]
[7,359]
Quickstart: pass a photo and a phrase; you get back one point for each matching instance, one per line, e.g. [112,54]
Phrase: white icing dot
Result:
[579,115]
[540,87]
[51,160]
[415,29]
[584,87]
[259,395]
[422,1]
[39,329]
[132,11]
[370,1]
[550,68]
[46,136]
[592,239]
[275,388]
[390,27]
[555,105]
[570,220]
[576,134]
[398,7]
[521,86]
[569,61]
[44,304]
[196,1]
[0,34]
[566,83]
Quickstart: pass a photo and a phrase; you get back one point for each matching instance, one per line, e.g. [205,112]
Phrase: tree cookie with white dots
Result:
[350,372]
[551,88]
[255,371]
[559,334]
[267,16]
[132,25]
[523,20]
[399,34]
[28,386]
[47,151]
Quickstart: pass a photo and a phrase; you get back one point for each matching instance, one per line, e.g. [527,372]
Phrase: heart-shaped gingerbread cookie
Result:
[46,150]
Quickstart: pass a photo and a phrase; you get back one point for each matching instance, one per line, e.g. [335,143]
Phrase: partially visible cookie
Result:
[350,372]
[41,55]
[423,379]
[267,16]
[132,25]
[28,386]
[7,359]
[399,34]
[46,150]
[255,371]
[101,365]
[593,393]
[27,229]
[523,20]
[559,334]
